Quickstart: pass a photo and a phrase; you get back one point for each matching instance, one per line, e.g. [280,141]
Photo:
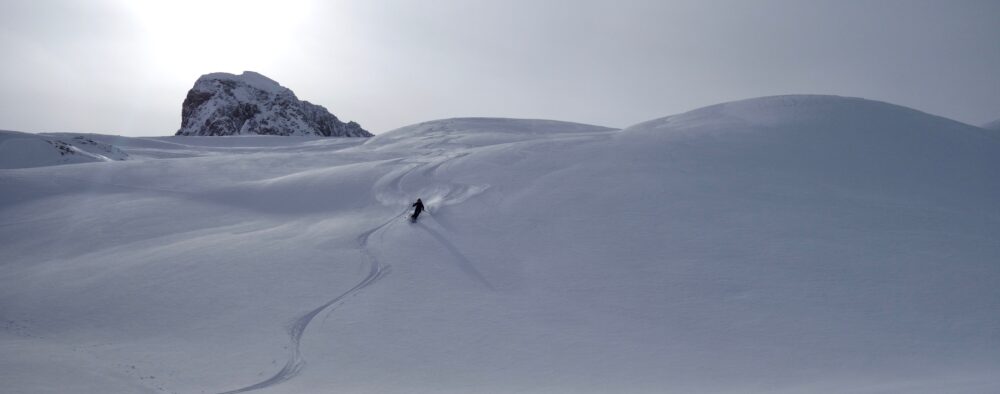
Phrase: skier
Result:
[419,205]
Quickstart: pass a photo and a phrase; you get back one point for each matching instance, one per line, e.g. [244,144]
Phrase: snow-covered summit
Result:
[253,79]
[249,104]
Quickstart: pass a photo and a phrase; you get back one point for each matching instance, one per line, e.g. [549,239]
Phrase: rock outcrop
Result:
[247,104]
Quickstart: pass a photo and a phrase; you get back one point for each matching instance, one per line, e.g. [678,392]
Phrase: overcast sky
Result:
[124,67]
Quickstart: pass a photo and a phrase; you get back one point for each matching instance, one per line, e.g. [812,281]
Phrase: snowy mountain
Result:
[222,104]
[22,150]
[789,244]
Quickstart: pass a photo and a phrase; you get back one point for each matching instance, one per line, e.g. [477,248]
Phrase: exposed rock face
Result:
[250,103]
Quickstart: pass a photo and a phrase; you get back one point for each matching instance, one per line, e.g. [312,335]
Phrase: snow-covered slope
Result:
[836,141]
[994,125]
[86,143]
[474,132]
[252,104]
[22,150]
[769,245]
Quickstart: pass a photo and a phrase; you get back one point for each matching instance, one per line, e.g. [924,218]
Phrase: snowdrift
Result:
[783,244]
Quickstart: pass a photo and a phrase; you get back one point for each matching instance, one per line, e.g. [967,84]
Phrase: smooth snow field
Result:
[792,244]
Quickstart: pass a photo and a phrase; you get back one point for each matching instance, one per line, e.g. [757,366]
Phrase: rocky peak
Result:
[250,103]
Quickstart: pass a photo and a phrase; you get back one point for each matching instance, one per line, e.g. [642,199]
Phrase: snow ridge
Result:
[24,150]
[786,110]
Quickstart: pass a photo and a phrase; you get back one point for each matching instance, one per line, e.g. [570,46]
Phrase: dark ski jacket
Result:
[419,205]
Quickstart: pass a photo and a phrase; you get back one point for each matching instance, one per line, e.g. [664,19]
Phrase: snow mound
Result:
[808,112]
[839,141]
[24,150]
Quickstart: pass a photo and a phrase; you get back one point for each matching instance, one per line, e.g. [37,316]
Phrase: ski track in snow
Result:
[377,270]
[295,362]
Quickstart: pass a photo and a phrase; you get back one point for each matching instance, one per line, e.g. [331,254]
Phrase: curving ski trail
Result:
[376,271]
[295,361]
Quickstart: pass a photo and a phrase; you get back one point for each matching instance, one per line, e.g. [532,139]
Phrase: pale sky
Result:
[124,67]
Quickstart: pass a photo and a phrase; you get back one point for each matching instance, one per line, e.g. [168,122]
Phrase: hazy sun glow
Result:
[187,38]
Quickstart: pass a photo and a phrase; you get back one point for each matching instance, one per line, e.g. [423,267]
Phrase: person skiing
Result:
[419,207]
